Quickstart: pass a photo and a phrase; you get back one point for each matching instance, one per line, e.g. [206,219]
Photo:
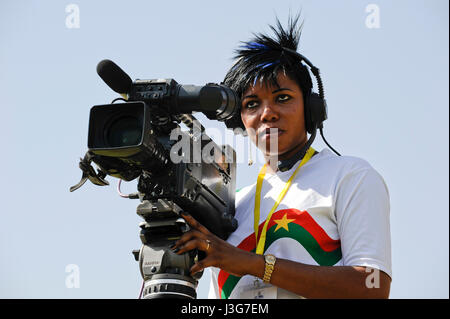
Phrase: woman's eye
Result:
[251,104]
[283,98]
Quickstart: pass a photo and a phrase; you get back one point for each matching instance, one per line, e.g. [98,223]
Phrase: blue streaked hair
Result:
[262,58]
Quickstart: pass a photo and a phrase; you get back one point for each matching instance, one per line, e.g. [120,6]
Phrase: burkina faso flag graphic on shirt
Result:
[289,223]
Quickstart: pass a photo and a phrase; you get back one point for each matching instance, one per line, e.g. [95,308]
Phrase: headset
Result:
[315,104]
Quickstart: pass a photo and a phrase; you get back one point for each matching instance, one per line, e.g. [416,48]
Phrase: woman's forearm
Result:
[312,281]
[305,280]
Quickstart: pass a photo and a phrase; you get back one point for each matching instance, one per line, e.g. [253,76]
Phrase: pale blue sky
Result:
[387,94]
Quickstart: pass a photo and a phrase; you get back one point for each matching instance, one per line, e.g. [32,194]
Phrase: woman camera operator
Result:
[313,224]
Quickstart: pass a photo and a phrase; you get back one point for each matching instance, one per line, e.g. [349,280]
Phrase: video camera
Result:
[177,170]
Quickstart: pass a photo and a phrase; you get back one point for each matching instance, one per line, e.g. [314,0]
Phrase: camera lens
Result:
[124,131]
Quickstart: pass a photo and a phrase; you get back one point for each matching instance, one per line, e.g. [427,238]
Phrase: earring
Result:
[250,160]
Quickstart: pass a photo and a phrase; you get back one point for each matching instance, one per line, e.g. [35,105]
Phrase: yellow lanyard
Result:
[262,173]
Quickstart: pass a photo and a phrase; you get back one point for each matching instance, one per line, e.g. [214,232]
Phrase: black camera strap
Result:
[97,178]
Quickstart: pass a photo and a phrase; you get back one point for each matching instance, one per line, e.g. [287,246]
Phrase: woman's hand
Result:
[219,253]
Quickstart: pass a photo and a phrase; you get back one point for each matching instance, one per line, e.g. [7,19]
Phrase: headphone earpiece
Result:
[315,104]
[315,112]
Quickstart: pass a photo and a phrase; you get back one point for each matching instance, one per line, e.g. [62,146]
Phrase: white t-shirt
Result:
[336,213]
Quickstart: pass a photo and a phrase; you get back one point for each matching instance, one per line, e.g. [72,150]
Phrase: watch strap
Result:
[269,267]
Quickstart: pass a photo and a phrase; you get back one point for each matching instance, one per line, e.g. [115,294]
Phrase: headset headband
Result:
[315,71]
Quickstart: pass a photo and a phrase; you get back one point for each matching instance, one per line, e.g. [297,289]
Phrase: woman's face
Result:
[281,109]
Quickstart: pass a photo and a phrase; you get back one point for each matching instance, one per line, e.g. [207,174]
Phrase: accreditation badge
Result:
[258,290]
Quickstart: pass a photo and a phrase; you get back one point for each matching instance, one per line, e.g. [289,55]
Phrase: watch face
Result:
[270,259]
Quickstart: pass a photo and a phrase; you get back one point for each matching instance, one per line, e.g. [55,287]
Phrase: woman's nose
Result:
[269,114]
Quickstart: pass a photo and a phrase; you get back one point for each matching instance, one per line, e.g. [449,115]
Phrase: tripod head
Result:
[165,274]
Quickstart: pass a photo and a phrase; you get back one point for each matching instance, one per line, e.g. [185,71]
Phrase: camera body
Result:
[178,171]
[142,138]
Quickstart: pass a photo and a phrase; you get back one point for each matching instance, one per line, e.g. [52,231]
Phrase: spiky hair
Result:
[262,58]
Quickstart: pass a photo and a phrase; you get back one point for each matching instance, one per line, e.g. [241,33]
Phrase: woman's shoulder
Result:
[346,163]
[338,169]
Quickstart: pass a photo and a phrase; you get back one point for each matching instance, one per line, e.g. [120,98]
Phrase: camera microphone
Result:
[216,101]
[114,76]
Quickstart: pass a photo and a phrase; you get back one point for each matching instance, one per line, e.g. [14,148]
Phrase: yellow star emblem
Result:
[283,222]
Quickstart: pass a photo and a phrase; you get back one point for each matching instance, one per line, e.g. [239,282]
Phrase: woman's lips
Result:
[270,133]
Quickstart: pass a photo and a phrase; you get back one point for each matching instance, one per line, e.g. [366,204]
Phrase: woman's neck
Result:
[272,162]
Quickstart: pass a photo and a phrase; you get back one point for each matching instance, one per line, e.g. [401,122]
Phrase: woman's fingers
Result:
[199,237]
[190,235]
[202,264]
[219,253]
[194,223]
[194,243]
[195,238]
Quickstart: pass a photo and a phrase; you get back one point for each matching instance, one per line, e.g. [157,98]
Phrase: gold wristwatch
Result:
[270,264]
